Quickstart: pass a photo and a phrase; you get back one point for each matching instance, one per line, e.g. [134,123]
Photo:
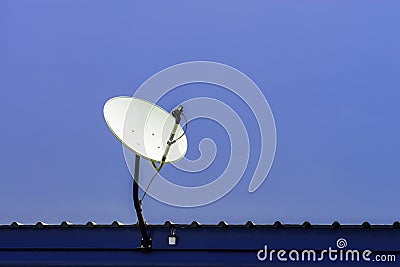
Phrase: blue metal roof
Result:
[196,245]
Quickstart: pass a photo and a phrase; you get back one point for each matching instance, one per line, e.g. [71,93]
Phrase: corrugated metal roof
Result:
[195,224]
[221,244]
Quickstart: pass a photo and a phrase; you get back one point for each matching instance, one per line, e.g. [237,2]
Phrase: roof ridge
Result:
[221,224]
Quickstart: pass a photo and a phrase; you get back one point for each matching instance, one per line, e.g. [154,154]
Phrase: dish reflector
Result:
[144,128]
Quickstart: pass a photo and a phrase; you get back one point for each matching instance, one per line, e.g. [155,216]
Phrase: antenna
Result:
[149,131]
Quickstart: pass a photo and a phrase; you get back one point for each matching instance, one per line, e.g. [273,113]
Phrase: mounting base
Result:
[146,244]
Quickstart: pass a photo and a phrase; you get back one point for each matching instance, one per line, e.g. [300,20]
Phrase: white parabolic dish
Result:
[144,128]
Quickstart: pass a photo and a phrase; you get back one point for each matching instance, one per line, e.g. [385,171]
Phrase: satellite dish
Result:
[151,133]
[144,128]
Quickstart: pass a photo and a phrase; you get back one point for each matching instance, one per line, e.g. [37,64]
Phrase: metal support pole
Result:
[146,240]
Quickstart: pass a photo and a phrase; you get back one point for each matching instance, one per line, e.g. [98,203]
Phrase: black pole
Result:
[146,240]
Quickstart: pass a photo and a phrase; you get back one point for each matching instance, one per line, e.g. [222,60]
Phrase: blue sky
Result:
[329,69]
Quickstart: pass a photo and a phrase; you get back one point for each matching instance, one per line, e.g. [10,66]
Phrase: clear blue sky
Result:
[329,69]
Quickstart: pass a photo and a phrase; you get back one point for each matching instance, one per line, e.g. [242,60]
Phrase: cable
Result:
[158,169]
